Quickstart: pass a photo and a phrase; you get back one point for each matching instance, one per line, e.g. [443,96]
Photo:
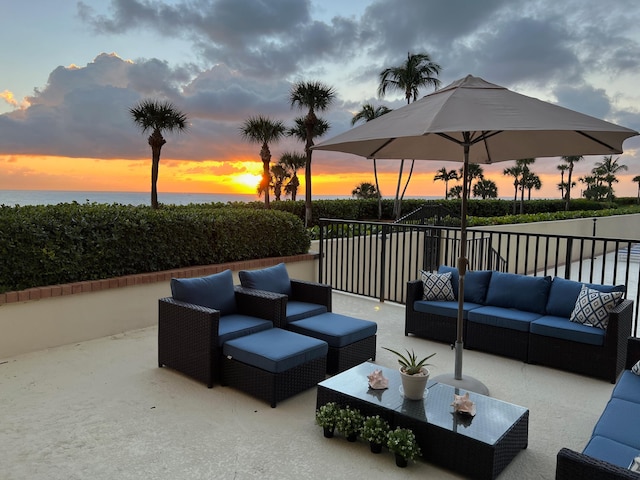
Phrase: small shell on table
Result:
[462,404]
[377,380]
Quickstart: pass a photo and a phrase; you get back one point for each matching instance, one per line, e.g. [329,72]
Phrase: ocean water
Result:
[53,197]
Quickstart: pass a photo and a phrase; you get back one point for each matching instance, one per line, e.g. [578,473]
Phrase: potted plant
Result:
[374,431]
[402,442]
[413,372]
[349,423]
[327,416]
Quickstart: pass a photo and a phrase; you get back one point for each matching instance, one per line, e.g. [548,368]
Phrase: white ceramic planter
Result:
[413,385]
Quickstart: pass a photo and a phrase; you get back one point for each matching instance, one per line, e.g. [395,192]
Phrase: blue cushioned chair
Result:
[201,315]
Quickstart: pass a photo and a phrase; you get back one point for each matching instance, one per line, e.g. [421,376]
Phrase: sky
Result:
[70,71]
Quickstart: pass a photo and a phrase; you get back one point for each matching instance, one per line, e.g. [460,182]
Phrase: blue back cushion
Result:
[564,293]
[215,291]
[272,279]
[523,292]
[475,283]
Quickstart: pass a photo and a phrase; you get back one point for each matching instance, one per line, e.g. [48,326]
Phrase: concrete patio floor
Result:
[102,409]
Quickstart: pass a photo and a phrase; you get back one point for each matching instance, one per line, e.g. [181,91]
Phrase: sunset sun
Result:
[248,182]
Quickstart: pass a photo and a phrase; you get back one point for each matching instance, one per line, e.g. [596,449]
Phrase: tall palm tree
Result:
[532,181]
[445,176]
[474,171]
[608,169]
[157,117]
[416,72]
[570,160]
[514,172]
[314,96]
[525,175]
[563,167]
[636,179]
[292,162]
[455,192]
[279,175]
[485,188]
[365,190]
[368,113]
[263,130]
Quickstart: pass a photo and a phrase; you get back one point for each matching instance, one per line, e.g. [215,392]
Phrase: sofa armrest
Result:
[311,292]
[188,338]
[262,304]
[415,291]
[633,351]
[572,465]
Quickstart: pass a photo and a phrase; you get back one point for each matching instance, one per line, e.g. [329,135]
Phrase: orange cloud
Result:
[9,98]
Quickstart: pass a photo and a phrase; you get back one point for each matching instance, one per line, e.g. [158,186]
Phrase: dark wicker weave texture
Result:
[433,327]
[188,334]
[341,359]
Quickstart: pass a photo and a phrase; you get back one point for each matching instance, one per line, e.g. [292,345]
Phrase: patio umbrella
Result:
[474,121]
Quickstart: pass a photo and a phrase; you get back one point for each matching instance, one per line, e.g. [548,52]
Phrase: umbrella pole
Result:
[467,383]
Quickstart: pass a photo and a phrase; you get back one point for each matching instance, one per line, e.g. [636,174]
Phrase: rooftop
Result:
[102,409]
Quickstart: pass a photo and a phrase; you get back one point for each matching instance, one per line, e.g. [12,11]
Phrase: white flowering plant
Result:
[327,415]
[349,421]
[375,430]
[402,441]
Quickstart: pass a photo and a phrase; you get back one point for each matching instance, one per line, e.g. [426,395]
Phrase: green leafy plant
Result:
[375,430]
[349,421]
[327,415]
[402,441]
[409,363]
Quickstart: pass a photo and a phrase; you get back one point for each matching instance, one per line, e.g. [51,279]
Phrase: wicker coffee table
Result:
[477,447]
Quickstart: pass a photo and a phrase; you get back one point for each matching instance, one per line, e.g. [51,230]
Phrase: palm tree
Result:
[292,162]
[608,169]
[365,190]
[263,130]
[637,180]
[446,175]
[278,175]
[314,96]
[416,72]
[570,160]
[563,167]
[525,175]
[455,192]
[368,113]
[530,182]
[157,117]
[474,171]
[485,188]
[514,172]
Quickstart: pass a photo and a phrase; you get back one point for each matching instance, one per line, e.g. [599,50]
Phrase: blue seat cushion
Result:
[299,310]
[272,279]
[444,308]
[561,327]
[620,421]
[275,350]
[522,292]
[628,387]
[237,325]
[214,291]
[476,283]
[337,330]
[564,293]
[610,451]
[503,317]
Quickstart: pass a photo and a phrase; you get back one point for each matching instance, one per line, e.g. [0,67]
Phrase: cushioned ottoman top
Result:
[337,330]
[275,350]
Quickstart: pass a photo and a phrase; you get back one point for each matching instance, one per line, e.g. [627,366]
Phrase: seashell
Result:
[377,380]
[462,404]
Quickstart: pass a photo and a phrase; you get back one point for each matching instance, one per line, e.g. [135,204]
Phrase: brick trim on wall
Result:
[143,278]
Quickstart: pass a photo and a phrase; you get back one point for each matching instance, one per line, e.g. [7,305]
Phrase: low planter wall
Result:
[46,317]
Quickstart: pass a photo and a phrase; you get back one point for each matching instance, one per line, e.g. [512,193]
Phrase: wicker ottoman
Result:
[274,364]
[351,340]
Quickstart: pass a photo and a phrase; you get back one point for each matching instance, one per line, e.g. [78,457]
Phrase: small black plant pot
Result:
[401,461]
[328,431]
[375,447]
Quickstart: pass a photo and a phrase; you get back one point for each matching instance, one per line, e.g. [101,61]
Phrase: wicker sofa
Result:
[526,318]
[614,442]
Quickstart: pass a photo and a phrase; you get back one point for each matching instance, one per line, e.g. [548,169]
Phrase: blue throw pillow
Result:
[564,294]
[475,283]
[272,279]
[214,291]
[522,292]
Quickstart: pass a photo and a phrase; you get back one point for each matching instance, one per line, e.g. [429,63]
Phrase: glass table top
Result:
[493,417]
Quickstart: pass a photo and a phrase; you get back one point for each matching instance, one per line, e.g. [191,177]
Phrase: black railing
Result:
[377,259]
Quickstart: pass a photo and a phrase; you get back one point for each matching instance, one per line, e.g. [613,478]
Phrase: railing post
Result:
[567,259]
[321,224]
[383,259]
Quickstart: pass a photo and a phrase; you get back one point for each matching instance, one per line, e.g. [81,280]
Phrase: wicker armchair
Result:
[572,465]
[188,334]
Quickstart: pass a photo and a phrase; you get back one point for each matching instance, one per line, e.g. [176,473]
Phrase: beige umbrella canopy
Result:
[474,121]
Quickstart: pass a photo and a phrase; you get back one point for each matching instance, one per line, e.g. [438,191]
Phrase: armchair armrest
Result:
[633,351]
[311,292]
[262,304]
[577,466]
[188,338]
[415,291]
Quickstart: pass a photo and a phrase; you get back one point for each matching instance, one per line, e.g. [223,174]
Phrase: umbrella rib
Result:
[613,150]
[374,153]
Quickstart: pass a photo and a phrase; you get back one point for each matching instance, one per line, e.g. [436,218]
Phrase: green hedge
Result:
[54,244]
